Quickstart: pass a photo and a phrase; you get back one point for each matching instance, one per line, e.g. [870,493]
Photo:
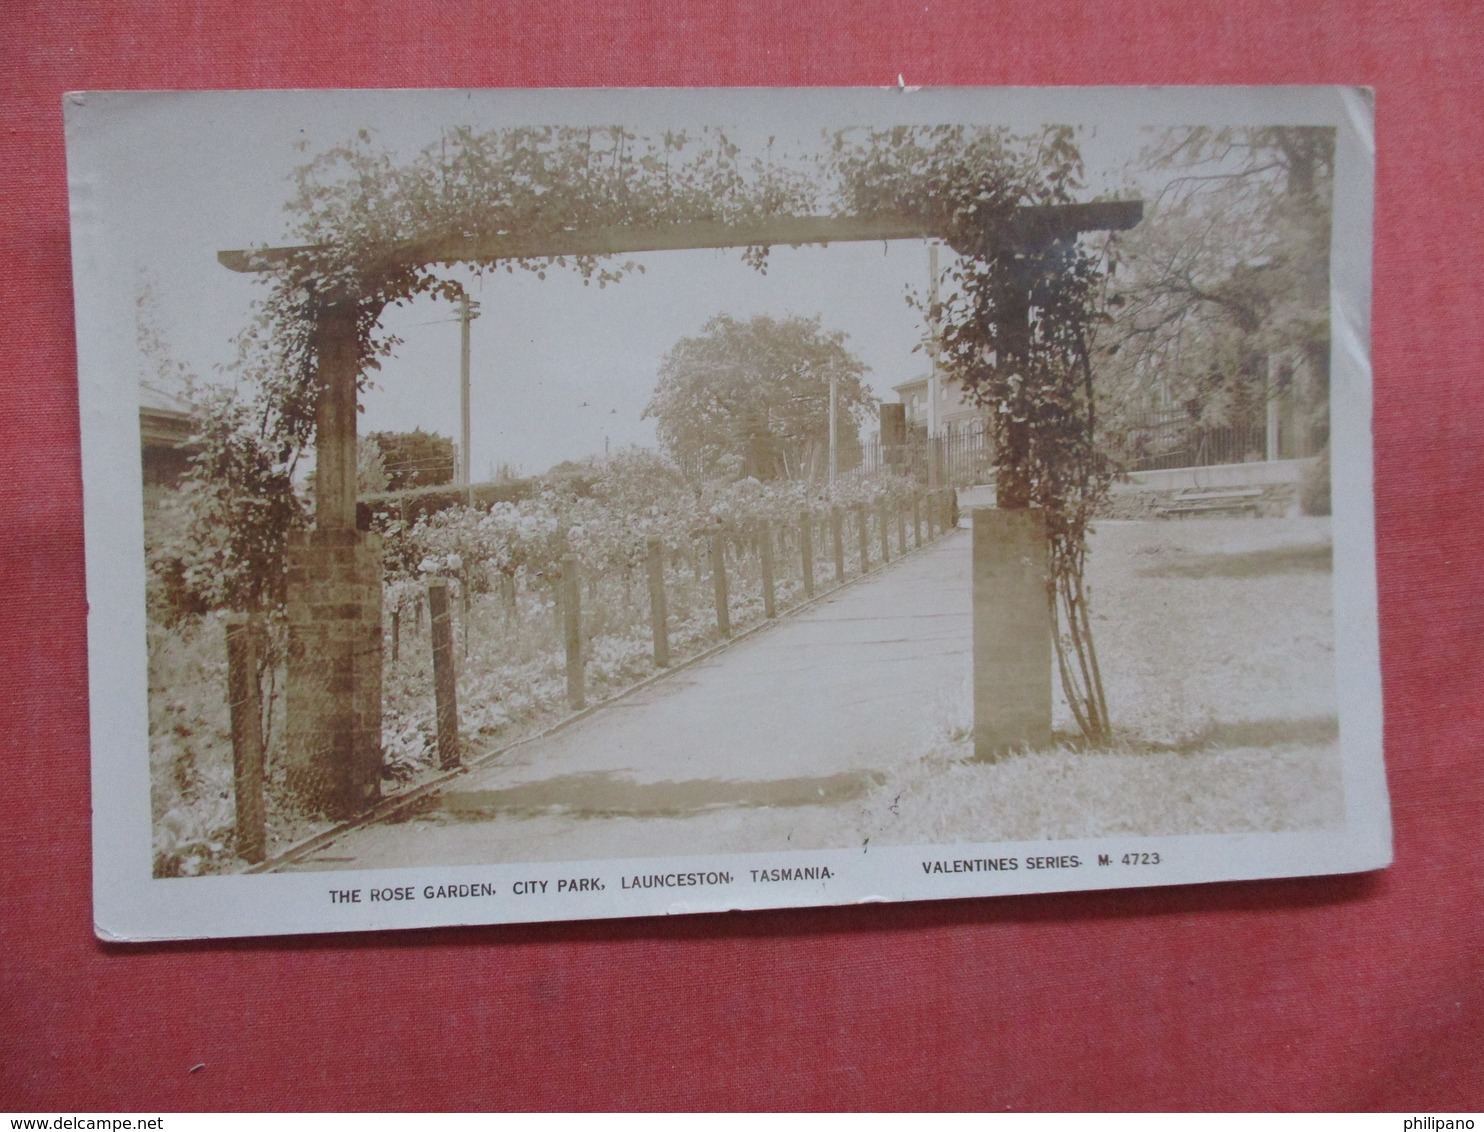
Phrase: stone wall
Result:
[1276,501]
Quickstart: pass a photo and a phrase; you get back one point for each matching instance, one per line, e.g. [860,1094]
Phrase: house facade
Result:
[165,428]
[957,413]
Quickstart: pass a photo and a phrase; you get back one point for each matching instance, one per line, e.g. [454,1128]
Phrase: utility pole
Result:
[468,311]
[834,427]
[932,391]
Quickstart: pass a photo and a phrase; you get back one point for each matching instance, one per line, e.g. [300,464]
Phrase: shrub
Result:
[1314,487]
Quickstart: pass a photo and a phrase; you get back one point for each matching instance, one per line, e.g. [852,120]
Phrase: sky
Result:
[558,370]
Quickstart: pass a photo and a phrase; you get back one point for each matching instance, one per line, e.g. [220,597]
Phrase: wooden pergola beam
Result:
[1036,225]
[1029,227]
[333,712]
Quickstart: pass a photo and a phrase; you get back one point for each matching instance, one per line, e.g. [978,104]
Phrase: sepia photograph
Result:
[525,505]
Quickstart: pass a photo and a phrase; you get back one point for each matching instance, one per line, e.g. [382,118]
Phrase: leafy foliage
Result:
[759,392]
[1314,488]
[377,230]
[1229,269]
[371,473]
[223,536]
[1017,332]
[636,495]
[415,459]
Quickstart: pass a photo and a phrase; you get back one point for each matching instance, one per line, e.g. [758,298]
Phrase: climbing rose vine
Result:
[377,231]
[1016,331]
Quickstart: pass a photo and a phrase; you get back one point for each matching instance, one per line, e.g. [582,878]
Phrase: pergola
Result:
[334,573]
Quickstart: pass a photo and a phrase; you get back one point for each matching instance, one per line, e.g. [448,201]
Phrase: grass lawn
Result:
[1215,638]
[1216,644]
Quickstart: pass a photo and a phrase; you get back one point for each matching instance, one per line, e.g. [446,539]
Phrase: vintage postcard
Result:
[529,505]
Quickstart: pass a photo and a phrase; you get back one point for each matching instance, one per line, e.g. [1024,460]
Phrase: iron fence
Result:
[960,460]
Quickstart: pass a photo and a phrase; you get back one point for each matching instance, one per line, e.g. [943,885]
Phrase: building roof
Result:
[911,386]
[164,419]
[157,400]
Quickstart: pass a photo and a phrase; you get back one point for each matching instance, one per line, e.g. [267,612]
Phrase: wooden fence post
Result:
[916,521]
[885,523]
[719,583]
[765,563]
[837,534]
[445,690]
[244,649]
[863,536]
[464,589]
[901,529]
[658,612]
[806,548]
[572,632]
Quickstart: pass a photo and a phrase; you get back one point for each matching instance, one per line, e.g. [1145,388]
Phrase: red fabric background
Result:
[1364,992]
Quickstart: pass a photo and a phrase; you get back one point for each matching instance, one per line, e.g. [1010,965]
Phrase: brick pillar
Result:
[1012,632]
[333,690]
[335,418]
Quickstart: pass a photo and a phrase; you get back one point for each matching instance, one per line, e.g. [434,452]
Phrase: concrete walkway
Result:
[807,712]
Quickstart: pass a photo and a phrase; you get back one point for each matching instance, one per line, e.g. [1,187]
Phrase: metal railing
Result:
[1172,440]
[961,460]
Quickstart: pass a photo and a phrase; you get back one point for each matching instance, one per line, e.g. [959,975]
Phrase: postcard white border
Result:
[130,904]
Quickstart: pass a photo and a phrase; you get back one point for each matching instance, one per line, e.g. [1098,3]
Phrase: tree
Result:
[753,397]
[222,544]
[371,474]
[1223,302]
[415,459]
[377,232]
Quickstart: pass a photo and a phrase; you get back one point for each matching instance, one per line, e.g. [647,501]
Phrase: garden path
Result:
[808,711]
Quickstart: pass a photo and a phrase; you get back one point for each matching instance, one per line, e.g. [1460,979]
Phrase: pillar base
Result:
[1012,633]
[333,691]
